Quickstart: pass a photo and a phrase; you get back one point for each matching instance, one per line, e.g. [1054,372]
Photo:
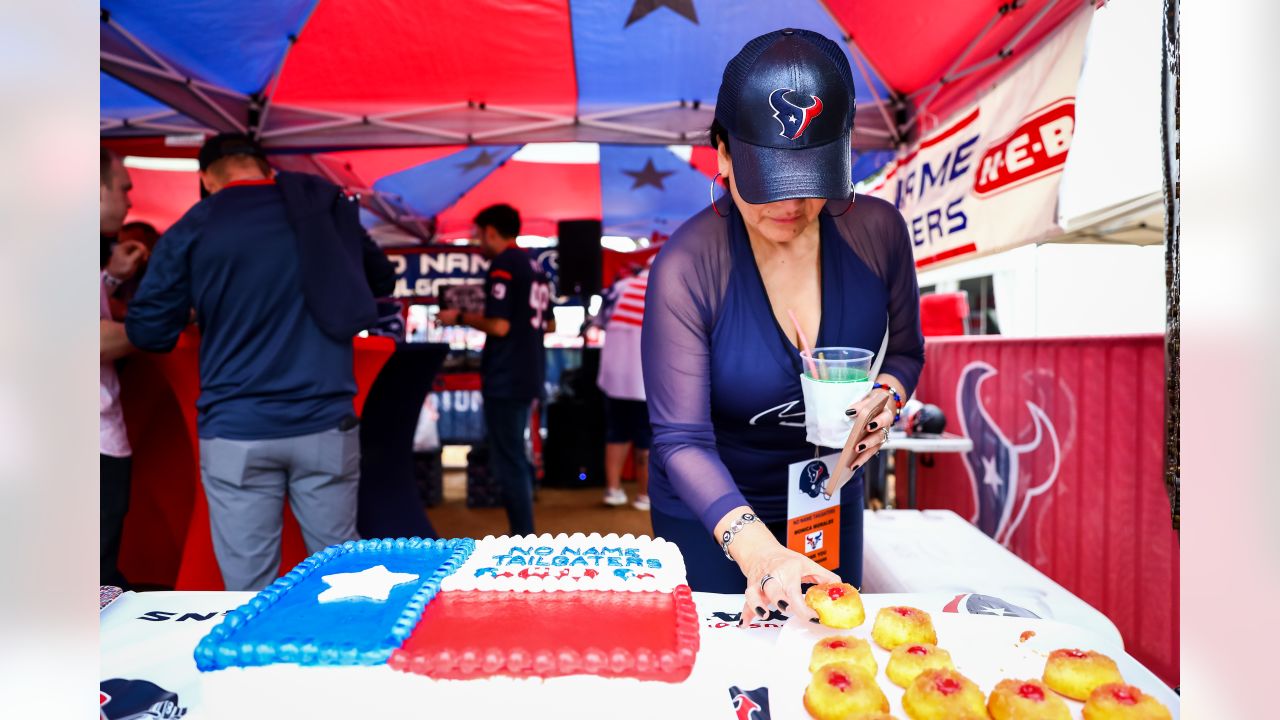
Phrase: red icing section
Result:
[1077,654]
[947,686]
[838,680]
[1031,692]
[1125,696]
[837,644]
[903,611]
[470,634]
[835,593]
[917,650]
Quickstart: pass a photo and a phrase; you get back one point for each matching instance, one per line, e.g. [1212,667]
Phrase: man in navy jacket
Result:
[281,276]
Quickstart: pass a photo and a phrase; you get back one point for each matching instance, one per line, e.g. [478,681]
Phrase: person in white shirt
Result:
[113,444]
[620,378]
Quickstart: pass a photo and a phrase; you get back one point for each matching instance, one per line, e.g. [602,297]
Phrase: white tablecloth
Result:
[151,636]
[937,551]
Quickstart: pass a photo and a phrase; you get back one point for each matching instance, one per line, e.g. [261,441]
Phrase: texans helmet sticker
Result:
[795,119]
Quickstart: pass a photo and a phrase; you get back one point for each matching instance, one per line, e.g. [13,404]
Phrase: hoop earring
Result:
[712,191]
[852,197]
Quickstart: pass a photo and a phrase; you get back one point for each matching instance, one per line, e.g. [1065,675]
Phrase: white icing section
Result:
[564,563]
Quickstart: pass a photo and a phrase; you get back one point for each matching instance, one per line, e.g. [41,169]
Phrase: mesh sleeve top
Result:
[722,379]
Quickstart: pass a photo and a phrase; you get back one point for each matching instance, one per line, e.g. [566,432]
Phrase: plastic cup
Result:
[833,379]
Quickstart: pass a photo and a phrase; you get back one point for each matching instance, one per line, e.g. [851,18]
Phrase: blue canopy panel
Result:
[635,52]
[868,163]
[431,187]
[645,188]
[119,101]
[236,44]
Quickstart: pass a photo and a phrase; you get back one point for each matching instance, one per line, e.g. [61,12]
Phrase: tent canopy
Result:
[326,76]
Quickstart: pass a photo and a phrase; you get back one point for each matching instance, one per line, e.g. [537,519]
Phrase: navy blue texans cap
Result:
[787,101]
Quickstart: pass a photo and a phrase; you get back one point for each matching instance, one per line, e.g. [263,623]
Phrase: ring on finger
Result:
[885,438]
[764,580]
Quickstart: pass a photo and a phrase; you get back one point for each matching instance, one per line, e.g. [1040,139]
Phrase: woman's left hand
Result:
[872,416]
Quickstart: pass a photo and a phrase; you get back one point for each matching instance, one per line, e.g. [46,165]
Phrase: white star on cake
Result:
[373,583]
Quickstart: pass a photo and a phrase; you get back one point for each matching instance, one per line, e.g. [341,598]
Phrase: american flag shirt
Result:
[620,374]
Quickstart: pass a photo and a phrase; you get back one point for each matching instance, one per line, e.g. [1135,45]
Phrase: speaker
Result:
[580,256]
[573,455]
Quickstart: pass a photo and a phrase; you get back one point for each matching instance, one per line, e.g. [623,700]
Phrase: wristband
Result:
[897,399]
[733,530]
[112,282]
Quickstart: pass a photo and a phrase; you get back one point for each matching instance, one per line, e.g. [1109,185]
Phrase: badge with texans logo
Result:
[813,519]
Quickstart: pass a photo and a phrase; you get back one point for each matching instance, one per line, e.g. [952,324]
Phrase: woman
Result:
[720,352]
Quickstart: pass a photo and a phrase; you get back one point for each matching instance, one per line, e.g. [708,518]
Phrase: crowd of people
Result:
[278,275]
[702,367]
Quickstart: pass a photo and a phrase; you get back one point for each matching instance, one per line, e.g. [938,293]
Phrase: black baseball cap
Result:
[787,101]
[228,144]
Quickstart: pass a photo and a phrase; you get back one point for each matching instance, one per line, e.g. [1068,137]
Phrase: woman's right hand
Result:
[759,555]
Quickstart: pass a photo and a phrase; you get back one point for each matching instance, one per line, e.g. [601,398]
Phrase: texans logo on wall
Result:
[120,699]
[1003,479]
[750,704]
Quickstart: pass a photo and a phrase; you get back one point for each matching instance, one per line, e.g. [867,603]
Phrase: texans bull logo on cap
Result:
[795,119]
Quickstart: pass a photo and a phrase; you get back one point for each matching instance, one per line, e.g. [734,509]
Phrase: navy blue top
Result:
[722,378]
[514,367]
[267,370]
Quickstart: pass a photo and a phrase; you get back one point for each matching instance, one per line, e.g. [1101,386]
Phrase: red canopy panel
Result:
[366,56]
[371,166]
[565,192]
[160,197]
[913,42]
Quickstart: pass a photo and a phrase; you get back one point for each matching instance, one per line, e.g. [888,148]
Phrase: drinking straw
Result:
[804,345]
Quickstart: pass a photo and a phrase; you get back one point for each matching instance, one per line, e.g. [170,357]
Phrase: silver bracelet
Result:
[734,529]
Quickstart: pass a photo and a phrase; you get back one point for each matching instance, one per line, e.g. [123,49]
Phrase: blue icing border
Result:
[221,648]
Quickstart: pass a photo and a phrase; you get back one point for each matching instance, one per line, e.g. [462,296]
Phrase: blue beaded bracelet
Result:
[897,399]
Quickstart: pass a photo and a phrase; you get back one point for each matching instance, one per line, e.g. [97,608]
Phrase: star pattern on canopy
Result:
[484,159]
[648,175]
[642,8]
[373,583]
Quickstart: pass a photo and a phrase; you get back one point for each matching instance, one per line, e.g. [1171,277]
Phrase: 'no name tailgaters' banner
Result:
[987,179]
[423,273]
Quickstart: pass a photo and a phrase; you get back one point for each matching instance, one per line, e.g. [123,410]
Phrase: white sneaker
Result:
[615,497]
[641,503]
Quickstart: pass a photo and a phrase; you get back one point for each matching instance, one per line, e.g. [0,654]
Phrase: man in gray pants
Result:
[281,276]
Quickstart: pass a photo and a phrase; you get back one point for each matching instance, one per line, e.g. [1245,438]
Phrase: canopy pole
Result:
[418,129]
[640,130]
[273,84]
[880,104]
[944,79]
[1003,54]
[853,46]
[527,127]
[187,82]
[313,127]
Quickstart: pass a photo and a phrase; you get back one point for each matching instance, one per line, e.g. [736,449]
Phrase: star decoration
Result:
[373,583]
[648,175]
[995,610]
[990,476]
[642,8]
[484,159]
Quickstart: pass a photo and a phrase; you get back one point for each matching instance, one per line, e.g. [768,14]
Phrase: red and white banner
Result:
[987,179]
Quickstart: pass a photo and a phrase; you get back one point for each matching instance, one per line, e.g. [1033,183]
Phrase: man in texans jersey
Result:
[513,366]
